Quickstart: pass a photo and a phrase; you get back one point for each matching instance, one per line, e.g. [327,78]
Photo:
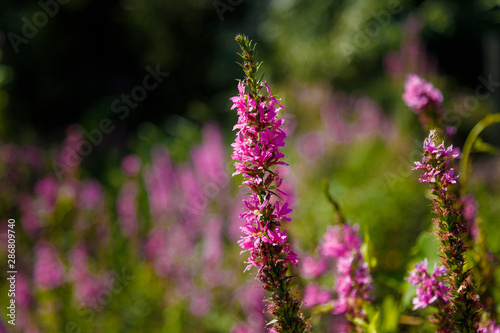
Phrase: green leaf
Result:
[323,308]
[367,249]
[272,321]
[484,147]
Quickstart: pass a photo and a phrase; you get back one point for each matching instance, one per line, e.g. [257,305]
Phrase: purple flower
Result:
[46,189]
[131,165]
[313,295]
[48,269]
[340,241]
[492,327]
[312,267]
[209,157]
[89,288]
[29,219]
[435,162]
[126,207]
[353,281]
[90,195]
[160,185]
[470,210]
[430,287]
[420,94]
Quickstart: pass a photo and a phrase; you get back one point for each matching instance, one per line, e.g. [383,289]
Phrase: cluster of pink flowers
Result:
[435,163]
[353,282]
[353,279]
[48,269]
[420,94]
[256,151]
[492,327]
[430,287]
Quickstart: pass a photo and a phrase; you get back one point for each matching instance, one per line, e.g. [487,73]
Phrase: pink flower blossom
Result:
[353,281]
[313,295]
[430,287]
[312,267]
[470,210]
[339,241]
[492,327]
[435,163]
[420,94]
[48,269]
[131,165]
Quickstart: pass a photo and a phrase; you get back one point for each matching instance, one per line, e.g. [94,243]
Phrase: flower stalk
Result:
[256,152]
[463,306]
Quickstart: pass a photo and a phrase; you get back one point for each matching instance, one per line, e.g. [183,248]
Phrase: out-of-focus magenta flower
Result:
[48,271]
[353,285]
[492,327]
[339,324]
[340,241]
[69,157]
[353,281]
[353,117]
[194,201]
[430,287]
[208,158]
[23,293]
[29,220]
[46,189]
[450,130]
[420,94]
[131,165]
[155,243]
[126,207]
[200,303]
[412,56]
[90,195]
[160,180]
[312,267]
[250,298]
[312,146]
[88,289]
[470,210]
[313,295]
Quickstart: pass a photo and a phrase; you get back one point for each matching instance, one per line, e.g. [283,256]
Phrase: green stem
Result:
[326,189]
[469,142]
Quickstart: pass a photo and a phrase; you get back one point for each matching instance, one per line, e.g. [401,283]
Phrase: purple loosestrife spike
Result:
[256,152]
[425,100]
[353,282]
[463,306]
